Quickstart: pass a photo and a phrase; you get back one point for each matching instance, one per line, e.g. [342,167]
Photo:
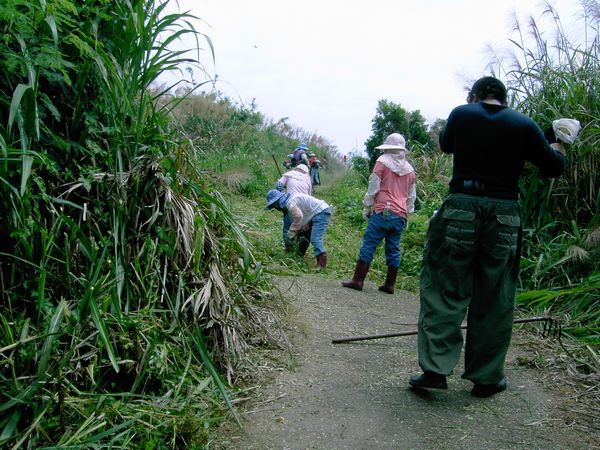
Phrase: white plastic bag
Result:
[566,130]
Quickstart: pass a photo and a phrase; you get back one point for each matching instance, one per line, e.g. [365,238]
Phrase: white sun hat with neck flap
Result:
[394,141]
[394,155]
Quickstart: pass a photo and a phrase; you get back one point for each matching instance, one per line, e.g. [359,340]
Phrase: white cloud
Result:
[326,63]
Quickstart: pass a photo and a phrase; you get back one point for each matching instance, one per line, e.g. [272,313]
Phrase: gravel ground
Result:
[355,395]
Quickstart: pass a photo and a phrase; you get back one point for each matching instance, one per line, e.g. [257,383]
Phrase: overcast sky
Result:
[324,64]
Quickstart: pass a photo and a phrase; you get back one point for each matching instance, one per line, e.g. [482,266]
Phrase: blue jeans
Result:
[315,177]
[379,228]
[287,221]
[320,222]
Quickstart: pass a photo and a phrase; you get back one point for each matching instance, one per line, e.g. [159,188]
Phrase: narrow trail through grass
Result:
[356,396]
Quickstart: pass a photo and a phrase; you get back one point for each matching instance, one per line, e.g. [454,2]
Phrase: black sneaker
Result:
[428,380]
[487,390]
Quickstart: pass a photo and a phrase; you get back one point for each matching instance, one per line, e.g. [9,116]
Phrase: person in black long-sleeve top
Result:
[472,250]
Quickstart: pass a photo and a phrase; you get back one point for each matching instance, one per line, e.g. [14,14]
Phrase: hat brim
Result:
[390,147]
[272,202]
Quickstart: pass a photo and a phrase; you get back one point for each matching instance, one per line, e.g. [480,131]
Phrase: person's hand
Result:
[558,147]
[366,213]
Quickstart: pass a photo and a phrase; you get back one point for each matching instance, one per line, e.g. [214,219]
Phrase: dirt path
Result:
[356,396]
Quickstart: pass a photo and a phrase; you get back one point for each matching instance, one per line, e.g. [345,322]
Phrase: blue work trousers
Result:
[382,226]
[320,222]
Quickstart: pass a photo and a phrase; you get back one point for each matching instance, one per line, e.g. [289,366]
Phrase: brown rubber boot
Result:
[322,261]
[390,280]
[360,272]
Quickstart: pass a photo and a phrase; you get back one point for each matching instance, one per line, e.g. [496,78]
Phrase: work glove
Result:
[366,213]
[566,130]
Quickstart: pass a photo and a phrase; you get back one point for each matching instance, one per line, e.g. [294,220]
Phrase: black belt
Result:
[478,187]
[473,185]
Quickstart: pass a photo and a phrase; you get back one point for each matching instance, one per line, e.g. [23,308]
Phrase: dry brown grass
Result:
[564,370]
[233,180]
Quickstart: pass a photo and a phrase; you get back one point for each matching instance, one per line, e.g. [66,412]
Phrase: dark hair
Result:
[487,87]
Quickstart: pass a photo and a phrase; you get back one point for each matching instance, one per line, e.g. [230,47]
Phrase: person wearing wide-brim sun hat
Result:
[389,200]
[303,209]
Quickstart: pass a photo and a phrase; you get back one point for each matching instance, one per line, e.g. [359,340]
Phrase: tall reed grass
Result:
[552,76]
[127,287]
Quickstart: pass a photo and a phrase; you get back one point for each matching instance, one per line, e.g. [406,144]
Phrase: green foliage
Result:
[360,165]
[418,134]
[433,175]
[434,131]
[132,291]
[580,320]
[242,152]
[553,77]
[347,197]
[127,285]
[392,118]
[550,76]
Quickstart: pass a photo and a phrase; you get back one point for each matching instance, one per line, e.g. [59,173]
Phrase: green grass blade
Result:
[26,172]
[53,328]
[203,351]
[11,425]
[15,103]
[103,331]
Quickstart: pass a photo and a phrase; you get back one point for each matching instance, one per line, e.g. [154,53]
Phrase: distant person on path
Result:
[303,209]
[295,181]
[300,156]
[471,256]
[315,165]
[389,200]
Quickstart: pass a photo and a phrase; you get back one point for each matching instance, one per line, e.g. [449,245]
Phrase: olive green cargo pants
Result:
[470,263]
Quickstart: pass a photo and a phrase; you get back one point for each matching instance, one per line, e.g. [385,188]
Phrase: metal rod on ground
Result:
[276,165]
[413,332]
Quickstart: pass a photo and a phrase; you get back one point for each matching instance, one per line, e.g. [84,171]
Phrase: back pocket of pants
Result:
[460,230]
[508,231]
